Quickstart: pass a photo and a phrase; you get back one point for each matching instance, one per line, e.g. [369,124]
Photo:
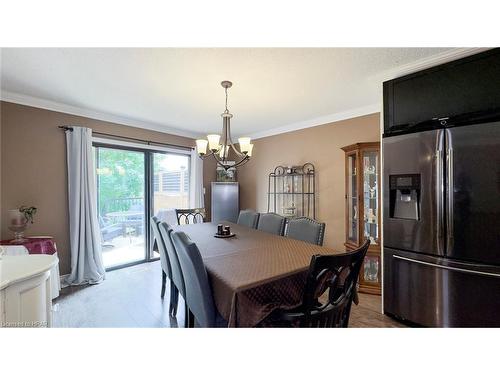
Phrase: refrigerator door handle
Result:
[439,192]
[446,267]
[449,191]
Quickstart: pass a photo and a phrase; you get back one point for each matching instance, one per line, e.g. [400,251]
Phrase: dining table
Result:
[253,273]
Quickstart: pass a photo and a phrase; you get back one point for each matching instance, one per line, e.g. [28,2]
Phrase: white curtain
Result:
[85,237]
[196,191]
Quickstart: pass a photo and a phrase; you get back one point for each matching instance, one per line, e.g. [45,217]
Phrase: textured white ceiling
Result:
[180,88]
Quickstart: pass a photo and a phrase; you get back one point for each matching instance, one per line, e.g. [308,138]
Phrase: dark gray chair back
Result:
[199,297]
[248,218]
[190,215]
[305,229]
[177,277]
[335,276]
[164,258]
[272,223]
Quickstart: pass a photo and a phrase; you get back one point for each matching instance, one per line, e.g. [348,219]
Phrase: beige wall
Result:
[33,166]
[1,209]
[319,145]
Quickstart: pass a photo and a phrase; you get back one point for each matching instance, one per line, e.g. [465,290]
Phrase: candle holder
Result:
[223,231]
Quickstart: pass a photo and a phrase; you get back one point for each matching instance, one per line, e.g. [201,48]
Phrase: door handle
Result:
[439,192]
[449,191]
[446,267]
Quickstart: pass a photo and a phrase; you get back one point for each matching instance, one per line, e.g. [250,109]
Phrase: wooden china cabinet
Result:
[362,202]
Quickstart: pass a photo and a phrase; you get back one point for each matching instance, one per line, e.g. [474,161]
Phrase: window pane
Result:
[185,178]
[121,205]
[171,182]
[173,175]
[156,183]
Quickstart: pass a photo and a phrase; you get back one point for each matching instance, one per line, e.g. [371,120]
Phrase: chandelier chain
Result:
[226,99]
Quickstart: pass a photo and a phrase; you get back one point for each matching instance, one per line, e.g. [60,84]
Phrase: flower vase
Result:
[17,224]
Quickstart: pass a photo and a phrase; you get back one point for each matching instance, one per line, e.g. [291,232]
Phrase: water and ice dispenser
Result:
[404,196]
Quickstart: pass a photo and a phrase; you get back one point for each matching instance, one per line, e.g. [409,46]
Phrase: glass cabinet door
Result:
[370,196]
[362,220]
[371,269]
[352,199]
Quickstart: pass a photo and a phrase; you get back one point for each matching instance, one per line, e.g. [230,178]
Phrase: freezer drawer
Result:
[434,292]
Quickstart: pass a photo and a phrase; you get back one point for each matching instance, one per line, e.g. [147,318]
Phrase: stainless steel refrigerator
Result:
[442,226]
[225,201]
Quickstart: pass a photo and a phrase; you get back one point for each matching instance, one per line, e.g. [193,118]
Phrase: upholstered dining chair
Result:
[164,260]
[248,218]
[177,279]
[328,294]
[272,223]
[307,230]
[190,215]
[199,297]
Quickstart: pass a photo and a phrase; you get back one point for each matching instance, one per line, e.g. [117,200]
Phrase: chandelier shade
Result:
[221,147]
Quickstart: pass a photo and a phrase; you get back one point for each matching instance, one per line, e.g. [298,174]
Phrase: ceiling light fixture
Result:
[220,147]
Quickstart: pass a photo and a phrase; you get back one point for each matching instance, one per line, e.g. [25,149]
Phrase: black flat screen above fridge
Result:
[469,86]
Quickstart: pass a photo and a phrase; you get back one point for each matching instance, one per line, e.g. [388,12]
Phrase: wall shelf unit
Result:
[291,191]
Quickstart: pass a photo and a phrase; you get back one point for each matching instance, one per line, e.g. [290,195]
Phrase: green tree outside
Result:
[120,176]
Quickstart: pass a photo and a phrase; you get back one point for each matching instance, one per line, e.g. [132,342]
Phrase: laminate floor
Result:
[130,297]
[368,314]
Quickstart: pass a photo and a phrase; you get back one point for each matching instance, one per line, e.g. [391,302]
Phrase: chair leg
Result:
[163,283]
[191,320]
[186,315]
[174,299]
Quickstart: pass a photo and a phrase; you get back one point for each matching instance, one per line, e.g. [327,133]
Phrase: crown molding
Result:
[441,58]
[421,64]
[32,101]
[339,116]
[428,62]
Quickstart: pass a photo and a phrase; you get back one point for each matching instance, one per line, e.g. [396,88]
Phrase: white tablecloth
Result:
[55,282]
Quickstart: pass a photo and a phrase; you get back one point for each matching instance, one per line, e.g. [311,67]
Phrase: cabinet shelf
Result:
[294,193]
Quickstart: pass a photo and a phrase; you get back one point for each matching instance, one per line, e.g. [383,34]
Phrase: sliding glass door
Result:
[170,186]
[121,200]
[134,184]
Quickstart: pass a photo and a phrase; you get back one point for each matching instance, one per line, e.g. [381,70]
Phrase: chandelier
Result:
[220,147]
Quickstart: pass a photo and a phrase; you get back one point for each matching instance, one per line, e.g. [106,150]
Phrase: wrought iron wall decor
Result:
[291,191]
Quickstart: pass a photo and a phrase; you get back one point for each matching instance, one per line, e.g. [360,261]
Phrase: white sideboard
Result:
[25,290]
[55,279]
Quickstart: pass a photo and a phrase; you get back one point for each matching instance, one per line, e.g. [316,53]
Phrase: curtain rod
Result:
[149,143]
